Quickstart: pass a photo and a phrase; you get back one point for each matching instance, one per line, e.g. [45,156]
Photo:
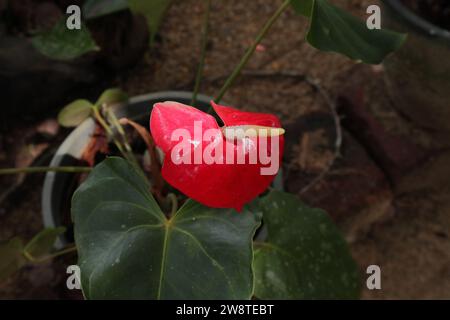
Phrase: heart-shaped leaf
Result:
[98,8]
[11,257]
[333,29]
[153,11]
[112,96]
[129,249]
[304,256]
[75,113]
[42,244]
[61,43]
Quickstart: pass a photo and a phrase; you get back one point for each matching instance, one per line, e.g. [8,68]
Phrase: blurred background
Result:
[387,190]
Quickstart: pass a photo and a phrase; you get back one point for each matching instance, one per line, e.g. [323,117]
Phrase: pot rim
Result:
[420,23]
[77,140]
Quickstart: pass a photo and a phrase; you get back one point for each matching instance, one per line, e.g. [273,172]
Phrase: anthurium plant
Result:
[208,221]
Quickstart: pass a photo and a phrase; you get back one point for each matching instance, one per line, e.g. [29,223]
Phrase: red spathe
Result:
[217,185]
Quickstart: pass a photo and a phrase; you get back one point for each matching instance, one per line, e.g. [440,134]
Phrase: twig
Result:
[44,169]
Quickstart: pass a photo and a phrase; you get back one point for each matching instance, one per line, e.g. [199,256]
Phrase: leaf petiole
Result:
[64,251]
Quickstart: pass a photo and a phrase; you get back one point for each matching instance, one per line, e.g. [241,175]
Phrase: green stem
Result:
[229,82]
[109,131]
[44,169]
[129,151]
[50,256]
[174,200]
[198,78]
[123,146]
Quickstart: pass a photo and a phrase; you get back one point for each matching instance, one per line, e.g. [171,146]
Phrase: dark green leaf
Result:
[128,249]
[42,244]
[112,96]
[60,43]
[303,7]
[304,257]
[153,11]
[75,113]
[333,29]
[11,257]
[98,8]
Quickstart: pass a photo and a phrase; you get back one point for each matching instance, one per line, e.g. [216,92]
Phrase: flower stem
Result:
[127,148]
[123,146]
[174,200]
[44,169]
[108,130]
[229,82]
[198,78]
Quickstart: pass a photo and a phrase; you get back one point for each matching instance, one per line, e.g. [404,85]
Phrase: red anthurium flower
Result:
[217,166]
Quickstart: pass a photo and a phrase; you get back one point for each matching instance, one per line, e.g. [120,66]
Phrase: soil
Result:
[387,190]
[435,11]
